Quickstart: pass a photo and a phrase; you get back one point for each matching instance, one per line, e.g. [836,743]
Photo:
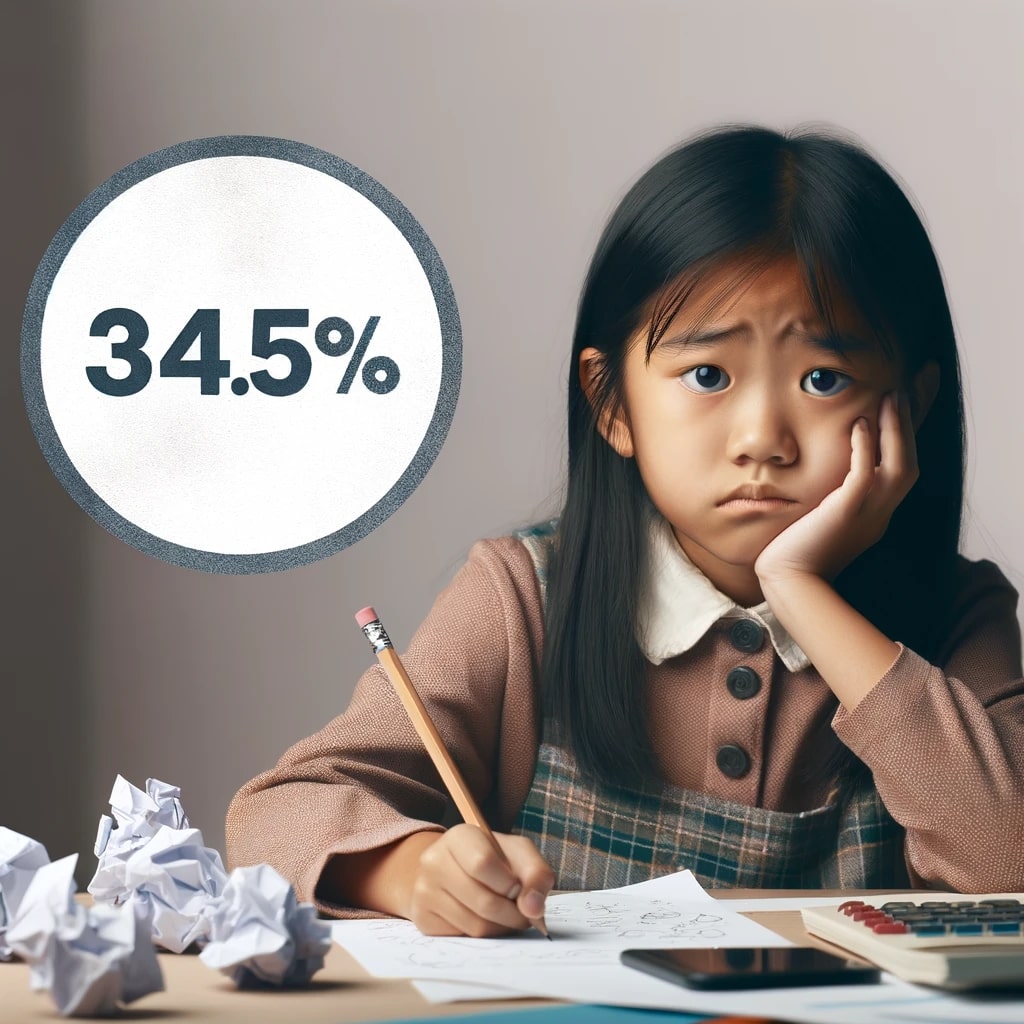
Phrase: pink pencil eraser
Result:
[365,616]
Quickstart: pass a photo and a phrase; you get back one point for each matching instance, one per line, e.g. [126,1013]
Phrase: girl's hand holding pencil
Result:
[449,883]
[463,887]
[466,881]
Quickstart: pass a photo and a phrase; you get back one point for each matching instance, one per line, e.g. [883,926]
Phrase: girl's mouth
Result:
[756,504]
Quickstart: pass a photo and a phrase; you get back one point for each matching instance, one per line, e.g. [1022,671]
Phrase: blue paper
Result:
[572,1014]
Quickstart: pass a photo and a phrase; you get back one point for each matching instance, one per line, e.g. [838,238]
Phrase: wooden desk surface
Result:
[341,992]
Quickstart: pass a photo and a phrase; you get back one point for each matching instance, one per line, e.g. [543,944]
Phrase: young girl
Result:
[748,646]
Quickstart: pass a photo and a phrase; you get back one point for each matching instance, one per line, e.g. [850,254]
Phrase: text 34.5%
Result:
[333,336]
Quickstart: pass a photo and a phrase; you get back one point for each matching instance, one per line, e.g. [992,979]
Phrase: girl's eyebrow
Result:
[841,343]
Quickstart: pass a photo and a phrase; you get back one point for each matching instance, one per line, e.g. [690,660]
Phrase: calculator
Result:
[947,940]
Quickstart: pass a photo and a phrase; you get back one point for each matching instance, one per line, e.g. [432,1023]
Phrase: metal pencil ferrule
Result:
[377,635]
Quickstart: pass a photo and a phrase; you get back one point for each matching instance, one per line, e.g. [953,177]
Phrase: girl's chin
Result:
[722,561]
[742,555]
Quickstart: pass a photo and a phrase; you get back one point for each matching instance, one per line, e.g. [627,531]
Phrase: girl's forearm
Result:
[378,879]
[850,654]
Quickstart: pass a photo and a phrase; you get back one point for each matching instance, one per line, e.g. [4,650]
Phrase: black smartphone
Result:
[748,967]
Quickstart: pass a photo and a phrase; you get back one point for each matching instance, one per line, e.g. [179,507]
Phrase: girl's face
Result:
[743,428]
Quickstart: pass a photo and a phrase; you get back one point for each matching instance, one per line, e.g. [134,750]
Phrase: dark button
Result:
[746,635]
[732,760]
[743,682]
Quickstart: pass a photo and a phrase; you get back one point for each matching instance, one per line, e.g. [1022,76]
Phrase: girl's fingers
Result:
[891,442]
[466,886]
[909,435]
[460,919]
[478,859]
[862,462]
[477,877]
[432,924]
[883,468]
[484,904]
[898,447]
[533,872]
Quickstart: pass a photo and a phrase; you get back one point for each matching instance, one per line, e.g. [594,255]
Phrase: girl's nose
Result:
[762,432]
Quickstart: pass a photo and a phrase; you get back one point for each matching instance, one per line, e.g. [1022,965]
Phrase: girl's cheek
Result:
[836,459]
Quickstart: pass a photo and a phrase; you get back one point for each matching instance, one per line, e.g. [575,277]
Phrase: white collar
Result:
[679,604]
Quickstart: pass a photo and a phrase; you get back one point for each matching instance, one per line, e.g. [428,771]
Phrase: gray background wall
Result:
[509,129]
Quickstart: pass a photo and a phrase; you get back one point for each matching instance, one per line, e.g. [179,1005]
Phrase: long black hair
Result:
[747,195]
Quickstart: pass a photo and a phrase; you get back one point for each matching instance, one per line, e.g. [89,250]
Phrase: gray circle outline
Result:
[201,149]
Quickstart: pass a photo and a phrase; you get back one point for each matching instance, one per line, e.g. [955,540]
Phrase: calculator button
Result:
[999,903]
[1005,927]
[928,929]
[889,928]
[849,906]
[870,914]
[967,929]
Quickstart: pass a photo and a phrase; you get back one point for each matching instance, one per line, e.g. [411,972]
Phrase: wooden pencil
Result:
[372,627]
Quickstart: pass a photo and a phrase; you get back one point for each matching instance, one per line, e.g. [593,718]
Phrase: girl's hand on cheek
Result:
[856,514]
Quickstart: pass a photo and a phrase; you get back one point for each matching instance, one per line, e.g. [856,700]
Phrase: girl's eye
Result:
[705,379]
[825,382]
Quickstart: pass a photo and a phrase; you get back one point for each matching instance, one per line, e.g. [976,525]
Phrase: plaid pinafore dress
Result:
[600,837]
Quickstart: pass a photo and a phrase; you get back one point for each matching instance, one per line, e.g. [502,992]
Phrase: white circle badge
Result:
[241,354]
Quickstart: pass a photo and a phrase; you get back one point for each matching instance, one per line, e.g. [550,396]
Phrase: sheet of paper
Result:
[682,885]
[581,964]
[890,1002]
[460,991]
[796,902]
[779,902]
[588,928]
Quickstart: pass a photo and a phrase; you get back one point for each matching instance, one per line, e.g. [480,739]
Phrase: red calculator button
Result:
[888,928]
[849,906]
[870,915]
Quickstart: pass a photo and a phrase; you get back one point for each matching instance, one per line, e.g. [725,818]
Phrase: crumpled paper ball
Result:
[90,959]
[260,933]
[180,879]
[253,919]
[139,816]
[20,858]
[153,857]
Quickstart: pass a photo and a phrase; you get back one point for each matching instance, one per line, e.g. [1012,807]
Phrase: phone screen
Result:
[749,967]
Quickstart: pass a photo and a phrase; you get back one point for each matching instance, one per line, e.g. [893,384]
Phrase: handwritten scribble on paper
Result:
[587,929]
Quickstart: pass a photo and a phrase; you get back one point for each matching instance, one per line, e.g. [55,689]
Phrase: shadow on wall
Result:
[45,690]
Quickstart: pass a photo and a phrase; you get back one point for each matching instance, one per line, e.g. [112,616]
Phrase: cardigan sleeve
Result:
[946,745]
[365,780]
